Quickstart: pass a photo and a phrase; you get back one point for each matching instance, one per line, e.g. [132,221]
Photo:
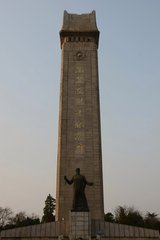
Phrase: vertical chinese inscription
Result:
[79,110]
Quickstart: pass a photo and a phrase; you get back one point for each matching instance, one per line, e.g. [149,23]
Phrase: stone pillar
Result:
[79,225]
[79,137]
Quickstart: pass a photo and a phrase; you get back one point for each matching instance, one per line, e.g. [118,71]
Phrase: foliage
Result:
[5,216]
[21,219]
[152,221]
[128,215]
[49,209]
[121,215]
[131,216]
[9,220]
[109,217]
[134,218]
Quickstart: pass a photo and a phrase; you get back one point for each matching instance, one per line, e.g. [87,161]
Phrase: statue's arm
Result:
[68,181]
[88,183]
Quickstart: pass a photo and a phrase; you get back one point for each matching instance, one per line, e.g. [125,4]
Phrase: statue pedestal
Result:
[79,225]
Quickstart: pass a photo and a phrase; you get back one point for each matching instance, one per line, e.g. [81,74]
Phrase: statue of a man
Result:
[79,199]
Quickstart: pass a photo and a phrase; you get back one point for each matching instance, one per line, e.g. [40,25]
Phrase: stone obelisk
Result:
[79,147]
[79,137]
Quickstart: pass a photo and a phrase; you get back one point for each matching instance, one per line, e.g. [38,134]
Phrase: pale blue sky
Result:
[129,71]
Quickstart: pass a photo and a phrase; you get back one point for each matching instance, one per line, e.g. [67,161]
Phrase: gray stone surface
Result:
[114,230]
[102,229]
[121,230]
[80,225]
[52,229]
[79,119]
[83,24]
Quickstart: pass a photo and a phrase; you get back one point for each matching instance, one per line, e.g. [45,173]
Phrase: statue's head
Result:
[78,170]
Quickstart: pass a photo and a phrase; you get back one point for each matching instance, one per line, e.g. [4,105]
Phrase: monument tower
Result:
[79,147]
[79,139]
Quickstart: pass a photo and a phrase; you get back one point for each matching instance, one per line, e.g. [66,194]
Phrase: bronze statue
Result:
[79,199]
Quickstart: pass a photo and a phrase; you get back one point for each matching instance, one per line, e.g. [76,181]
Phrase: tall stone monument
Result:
[79,144]
[79,213]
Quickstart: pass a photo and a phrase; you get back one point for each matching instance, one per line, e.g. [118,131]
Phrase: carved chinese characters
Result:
[79,126]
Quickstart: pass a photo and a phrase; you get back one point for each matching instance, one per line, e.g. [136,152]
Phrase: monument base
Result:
[79,225]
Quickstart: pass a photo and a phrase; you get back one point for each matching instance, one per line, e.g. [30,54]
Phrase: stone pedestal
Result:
[79,225]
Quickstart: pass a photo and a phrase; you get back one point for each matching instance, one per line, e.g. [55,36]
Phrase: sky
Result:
[129,76]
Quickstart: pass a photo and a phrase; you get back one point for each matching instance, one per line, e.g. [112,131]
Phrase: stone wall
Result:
[113,230]
[46,230]
[99,230]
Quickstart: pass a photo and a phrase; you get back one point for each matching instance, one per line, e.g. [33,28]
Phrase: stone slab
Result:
[79,225]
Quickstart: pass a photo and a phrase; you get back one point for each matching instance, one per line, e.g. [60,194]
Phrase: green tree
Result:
[5,216]
[152,220]
[134,218]
[49,209]
[21,219]
[121,214]
[129,216]
[109,217]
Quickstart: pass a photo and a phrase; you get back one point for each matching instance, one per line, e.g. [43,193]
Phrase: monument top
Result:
[79,24]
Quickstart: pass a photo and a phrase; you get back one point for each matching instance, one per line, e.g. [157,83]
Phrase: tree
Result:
[152,220]
[121,214]
[5,216]
[19,218]
[109,217]
[22,219]
[128,215]
[9,220]
[134,218]
[49,209]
